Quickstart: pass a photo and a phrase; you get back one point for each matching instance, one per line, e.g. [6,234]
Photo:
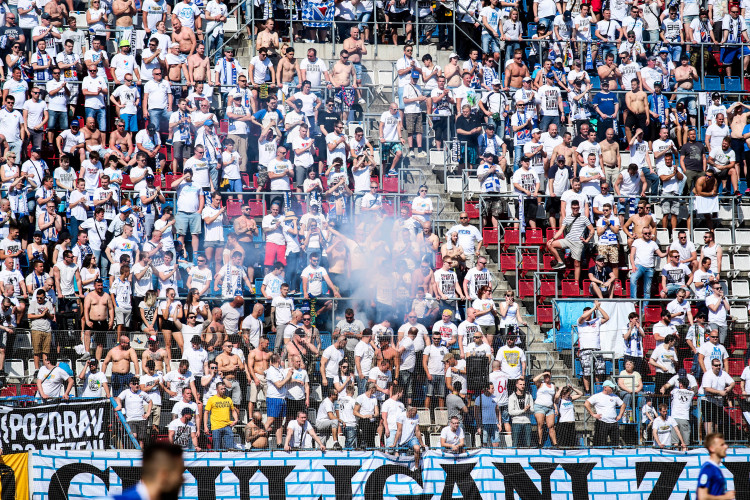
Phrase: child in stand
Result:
[648,414]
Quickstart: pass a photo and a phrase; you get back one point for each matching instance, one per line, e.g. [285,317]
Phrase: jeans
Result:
[521,434]
[627,398]
[350,434]
[517,154]
[509,48]
[547,121]
[364,19]
[675,51]
[73,226]
[489,44]
[653,180]
[696,370]
[158,117]
[647,274]
[100,116]
[213,173]
[223,439]
[214,41]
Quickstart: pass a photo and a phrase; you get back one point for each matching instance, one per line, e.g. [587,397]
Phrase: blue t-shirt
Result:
[606,102]
[711,478]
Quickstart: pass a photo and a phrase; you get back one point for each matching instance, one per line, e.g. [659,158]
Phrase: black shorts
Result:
[151,162]
[722,174]
[293,406]
[530,206]
[400,17]
[552,205]
[711,412]
[638,121]
[99,331]
[168,324]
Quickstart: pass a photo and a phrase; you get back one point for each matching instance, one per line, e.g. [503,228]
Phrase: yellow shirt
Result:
[221,411]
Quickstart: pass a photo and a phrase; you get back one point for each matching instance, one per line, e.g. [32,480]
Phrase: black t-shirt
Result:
[693,155]
[8,35]
[602,275]
[578,140]
[328,120]
[469,123]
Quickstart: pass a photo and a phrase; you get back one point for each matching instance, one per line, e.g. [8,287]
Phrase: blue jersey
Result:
[712,479]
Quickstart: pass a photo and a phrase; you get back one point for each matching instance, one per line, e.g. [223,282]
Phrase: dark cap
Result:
[151,127]
[299,331]
[38,233]
[599,258]
[187,411]
[196,339]
[149,177]
[98,280]
[490,126]
[46,15]
[36,150]
[682,372]
[93,362]
[715,95]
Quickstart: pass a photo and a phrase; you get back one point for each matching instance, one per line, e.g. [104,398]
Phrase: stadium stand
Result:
[437,209]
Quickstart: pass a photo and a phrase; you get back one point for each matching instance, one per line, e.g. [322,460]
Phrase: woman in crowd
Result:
[566,424]
[544,406]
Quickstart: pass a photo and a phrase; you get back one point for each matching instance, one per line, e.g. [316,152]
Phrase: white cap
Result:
[536,131]
[496,81]
[452,55]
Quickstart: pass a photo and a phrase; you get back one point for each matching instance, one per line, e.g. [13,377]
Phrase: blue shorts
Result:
[235,186]
[185,222]
[544,410]
[276,408]
[58,120]
[358,71]
[504,414]
[436,387]
[131,122]
[412,443]
[490,434]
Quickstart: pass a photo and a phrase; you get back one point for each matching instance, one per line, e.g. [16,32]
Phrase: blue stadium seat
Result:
[325,339]
[712,83]
[595,83]
[649,387]
[732,84]
[532,29]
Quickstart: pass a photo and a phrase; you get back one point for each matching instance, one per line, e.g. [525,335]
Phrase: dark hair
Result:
[153,457]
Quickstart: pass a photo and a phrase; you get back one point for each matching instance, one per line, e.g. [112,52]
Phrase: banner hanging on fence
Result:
[62,425]
[482,474]
[14,476]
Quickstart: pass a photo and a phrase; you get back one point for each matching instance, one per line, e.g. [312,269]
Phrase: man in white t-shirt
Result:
[391,141]
[715,386]
[602,407]
[718,311]
[663,427]
[589,341]
[642,262]
[469,238]
[452,436]
[295,433]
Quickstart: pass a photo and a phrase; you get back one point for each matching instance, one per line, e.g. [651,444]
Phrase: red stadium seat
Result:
[257,208]
[649,343]
[652,314]
[739,340]
[438,260]
[223,127]
[508,262]
[388,208]
[472,209]
[736,366]
[547,261]
[551,232]
[570,288]
[127,184]
[9,391]
[620,291]
[534,237]
[526,288]
[511,237]
[170,178]
[245,181]
[544,314]
[547,288]
[158,181]
[687,364]
[489,236]
[234,208]
[587,288]
[390,184]
[529,262]
[27,390]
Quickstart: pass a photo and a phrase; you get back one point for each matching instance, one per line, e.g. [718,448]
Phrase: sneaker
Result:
[411,154]
[336,446]
[559,265]
[392,173]
[747,192]
[86,356]
[422,154]
[738,194]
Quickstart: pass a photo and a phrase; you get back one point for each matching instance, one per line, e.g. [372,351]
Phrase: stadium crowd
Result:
[113,156]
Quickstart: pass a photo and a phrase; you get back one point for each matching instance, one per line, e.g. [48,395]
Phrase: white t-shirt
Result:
[133,404]
[93,385]
[606,405]
[274,374]
[435,356]
[663,429]
[390,127]
[54,384]
[334,356]
[645,252]
[450,437]
[720,316]
[665,357]
[511,359]
[468,237]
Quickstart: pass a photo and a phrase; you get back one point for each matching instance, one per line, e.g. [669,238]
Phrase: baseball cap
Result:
[151,127]
[558,60]
[496,81]
[715,95]
[149,177]
[560,158]
[124,43]
[36,150]
[452,55]
[658,83]
[46,15]
[152,340]
[126,209]
[490,126]
[187,411]
[209,123]
[415,74]
[98,280]
[682,372]
[527,79]
[525,159]
[536,131]
[599,257]
[447,312]
[609,383]
[664,50]
[488,154]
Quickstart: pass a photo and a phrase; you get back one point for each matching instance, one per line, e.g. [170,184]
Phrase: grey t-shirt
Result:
[41,324]
[454,404]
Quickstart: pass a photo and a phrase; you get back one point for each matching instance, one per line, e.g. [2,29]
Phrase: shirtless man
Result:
[288,70]
[610,157]
[515,72]
[184,36]
[636,102]
[707,186]
[199,66]
[228,362]
[685,75]
[124,10]
[452,72]
[634,225]
[268,39]
[256,435]
[566,149]
[159,355]
[121,145]
[422,277]
[177,73]
[57,11]
[93,137]
[99,317]
[609,71]
[257,363]
[246,229]
[216,326]
[121,356]
[355,46]
[343,74]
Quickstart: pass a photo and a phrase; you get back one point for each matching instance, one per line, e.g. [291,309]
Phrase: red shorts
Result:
[596,5]
[274,253]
